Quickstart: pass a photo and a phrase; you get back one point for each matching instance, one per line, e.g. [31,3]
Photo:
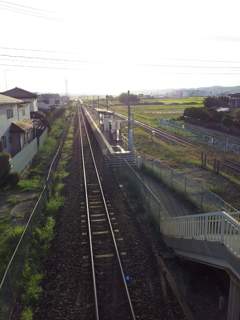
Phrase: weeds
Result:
[43,236]
[14,201]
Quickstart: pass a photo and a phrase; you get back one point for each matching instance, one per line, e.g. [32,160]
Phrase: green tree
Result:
[5,166]
[124,98]
[215,101]
[236,117]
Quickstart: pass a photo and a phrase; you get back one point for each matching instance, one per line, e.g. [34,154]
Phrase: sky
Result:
[104,47]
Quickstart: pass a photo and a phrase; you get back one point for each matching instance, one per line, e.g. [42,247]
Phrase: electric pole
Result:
[66,84]
[107,101]
[129,121]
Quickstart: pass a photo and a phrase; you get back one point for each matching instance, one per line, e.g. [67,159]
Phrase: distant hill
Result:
[191,92]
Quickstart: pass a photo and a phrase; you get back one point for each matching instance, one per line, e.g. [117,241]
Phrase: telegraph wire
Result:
[39,50]
[32,14]
[127,64]
[81,53]
[77,69]
[20,5]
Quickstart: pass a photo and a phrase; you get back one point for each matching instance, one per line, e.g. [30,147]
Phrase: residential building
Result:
[65,99]
[12,112]
[48,100]
[24,95]
[234,100]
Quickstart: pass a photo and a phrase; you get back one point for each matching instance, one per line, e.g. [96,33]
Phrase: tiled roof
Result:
[19,126]
[8,100]
[20,93]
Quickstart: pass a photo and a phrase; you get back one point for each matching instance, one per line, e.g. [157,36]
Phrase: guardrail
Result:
[218,226]
[9,285]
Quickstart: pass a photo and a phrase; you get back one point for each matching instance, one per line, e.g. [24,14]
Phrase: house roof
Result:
[104,111]
[19,126]
[20,93]
[234,95]
[8,100]
[37,114]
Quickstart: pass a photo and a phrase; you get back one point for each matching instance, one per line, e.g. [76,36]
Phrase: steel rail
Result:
[88,218]
[109,221]
[228,163]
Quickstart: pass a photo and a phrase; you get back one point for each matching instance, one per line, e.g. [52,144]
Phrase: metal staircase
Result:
[120,160]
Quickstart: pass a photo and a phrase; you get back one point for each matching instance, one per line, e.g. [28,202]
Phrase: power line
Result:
[31,13]
[39,50]
[71,52]
[20,5]
[127,64]
[77,69]
[50,59]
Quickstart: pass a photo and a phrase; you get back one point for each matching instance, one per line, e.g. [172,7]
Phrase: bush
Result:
[5,166]
[12,179]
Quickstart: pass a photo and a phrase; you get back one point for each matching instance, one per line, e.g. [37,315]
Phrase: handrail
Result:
[217,226]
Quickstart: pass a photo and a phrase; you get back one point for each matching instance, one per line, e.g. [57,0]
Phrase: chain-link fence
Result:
[144,195]
[201,197]
[9,285]
[221,144]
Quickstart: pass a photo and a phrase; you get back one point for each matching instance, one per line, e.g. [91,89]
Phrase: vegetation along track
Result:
[221,162]
[67,283]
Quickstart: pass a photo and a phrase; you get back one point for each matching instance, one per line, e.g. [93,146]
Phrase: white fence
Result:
[219,226]
[42,138]
[21,160]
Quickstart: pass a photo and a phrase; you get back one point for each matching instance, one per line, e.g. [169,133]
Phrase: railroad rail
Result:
[109,297]
[221,160]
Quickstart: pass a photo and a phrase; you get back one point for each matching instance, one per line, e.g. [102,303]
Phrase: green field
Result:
[152,113]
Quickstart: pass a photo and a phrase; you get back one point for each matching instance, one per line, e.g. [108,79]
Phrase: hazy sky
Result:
[109,47]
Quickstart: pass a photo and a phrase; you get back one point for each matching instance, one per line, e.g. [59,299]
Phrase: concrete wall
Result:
[42,137]
[24,157]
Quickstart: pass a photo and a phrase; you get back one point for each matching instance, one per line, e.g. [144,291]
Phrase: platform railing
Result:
[217,226]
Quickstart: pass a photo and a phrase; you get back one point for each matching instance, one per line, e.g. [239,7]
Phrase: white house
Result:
[24,95]
[47,100]
[15,131]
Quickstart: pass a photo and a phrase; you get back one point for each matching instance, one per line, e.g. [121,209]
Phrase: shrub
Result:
[12,179]
[5,166]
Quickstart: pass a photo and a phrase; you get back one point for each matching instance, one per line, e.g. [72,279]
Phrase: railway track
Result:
[217,160]
[109,297]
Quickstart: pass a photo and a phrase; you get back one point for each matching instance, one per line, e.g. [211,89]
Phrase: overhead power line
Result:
[9,6]
[20,5]
[155,58]
[119,63]
[40,50]
[30,14]
[77,69]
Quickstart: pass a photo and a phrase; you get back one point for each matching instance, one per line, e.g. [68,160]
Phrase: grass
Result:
[170,155]
[14,201]
[8,243]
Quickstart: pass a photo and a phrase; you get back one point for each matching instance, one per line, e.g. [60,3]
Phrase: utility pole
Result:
[5,73]
[93,101]
[107,101]
[98,101]
[66,84]
[129,114]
